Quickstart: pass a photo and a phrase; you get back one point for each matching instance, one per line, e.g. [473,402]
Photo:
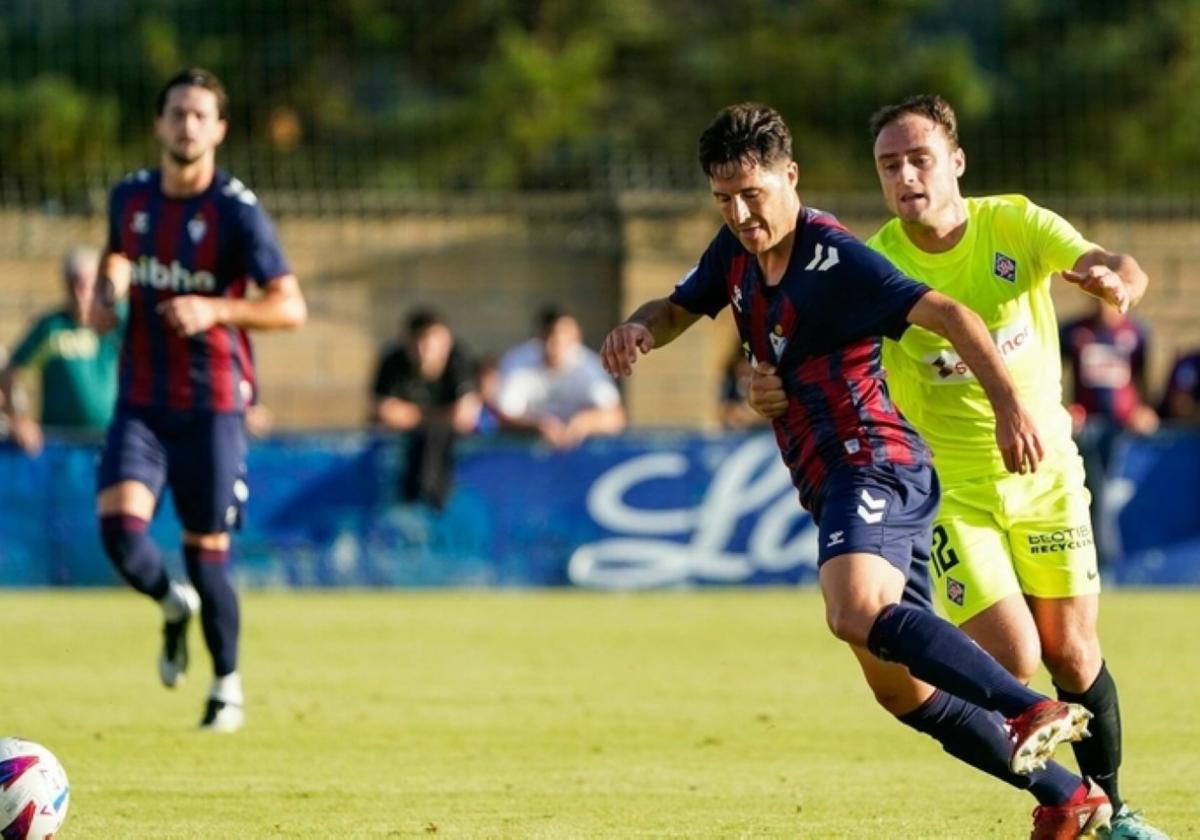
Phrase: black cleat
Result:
[173,660]
[220,716]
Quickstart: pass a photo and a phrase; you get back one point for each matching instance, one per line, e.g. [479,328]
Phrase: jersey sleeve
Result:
[702,291]
[515,392]
[30,353]
[1055,241]
[264,260]
[868,295]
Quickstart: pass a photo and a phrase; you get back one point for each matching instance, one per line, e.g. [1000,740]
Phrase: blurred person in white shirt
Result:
[555,386]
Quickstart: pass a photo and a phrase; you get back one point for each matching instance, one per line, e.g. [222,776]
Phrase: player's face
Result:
[561,341]
[918,170]
[190,126]
[759,204]
[433,350]
[81,285]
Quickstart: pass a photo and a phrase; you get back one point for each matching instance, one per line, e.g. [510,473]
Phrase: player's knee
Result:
[1022,658]
[850,622]
[1074,663]
[124,537]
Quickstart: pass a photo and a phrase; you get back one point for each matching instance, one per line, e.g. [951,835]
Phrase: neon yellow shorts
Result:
[1017,533]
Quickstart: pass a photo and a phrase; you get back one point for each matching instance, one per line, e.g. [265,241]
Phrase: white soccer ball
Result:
[33,791]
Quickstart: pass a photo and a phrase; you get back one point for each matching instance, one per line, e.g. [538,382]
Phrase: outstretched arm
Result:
[1115,278]
[654,324]
[1016,434]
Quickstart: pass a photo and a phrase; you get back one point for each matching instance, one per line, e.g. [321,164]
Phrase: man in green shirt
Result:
[77,367]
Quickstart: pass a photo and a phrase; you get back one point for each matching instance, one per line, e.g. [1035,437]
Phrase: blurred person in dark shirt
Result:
[425,388]
[1181,399]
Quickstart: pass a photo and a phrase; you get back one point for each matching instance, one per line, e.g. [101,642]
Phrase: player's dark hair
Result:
[548,316]
[745,134]
[928,105]
[194,77]
[420,320]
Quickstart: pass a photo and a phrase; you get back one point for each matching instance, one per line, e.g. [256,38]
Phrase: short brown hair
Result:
[194,77]
[928,105]
[748,133]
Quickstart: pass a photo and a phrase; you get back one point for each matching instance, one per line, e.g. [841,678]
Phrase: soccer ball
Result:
[33,791]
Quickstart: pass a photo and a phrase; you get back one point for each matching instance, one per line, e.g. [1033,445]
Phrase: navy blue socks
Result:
[937,652]
[134,554]
[208,570]
[979,738]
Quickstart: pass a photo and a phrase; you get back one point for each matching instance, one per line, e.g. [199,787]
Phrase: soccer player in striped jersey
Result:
[814,302]
[1014,560]
[184,242]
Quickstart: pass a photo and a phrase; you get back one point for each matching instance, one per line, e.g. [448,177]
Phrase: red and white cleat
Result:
[1038,731]
[1087,812]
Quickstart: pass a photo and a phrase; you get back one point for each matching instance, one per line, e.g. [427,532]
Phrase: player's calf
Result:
[134,554]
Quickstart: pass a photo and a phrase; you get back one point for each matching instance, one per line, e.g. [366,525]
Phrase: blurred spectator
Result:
[735,412]
[1106,351]
[487,382]
[260,420]
[77,367]
[1181,400]
[424,387]
[555,386]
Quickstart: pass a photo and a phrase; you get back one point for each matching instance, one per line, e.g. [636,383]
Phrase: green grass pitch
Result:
[541,715]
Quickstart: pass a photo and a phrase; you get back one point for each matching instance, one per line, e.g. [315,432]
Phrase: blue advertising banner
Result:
[645,510]
[1154,500]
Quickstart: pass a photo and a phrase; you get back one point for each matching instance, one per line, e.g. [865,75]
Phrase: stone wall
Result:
[489,266]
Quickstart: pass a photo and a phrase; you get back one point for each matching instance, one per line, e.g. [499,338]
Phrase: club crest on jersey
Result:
[736,298]
[1005,267]
[140,223]
[779,341]
[956,591]
[196,229]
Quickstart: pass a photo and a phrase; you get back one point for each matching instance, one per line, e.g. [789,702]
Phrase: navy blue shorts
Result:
[885,510]
[200,455]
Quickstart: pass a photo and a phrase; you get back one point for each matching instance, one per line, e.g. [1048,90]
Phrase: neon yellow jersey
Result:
[1001,269]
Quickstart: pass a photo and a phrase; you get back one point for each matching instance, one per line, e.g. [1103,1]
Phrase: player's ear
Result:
[222,127]
[793,172]
[960,161]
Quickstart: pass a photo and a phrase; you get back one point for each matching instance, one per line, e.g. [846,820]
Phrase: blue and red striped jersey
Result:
[1107,365]
[212,244]
[822,327]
